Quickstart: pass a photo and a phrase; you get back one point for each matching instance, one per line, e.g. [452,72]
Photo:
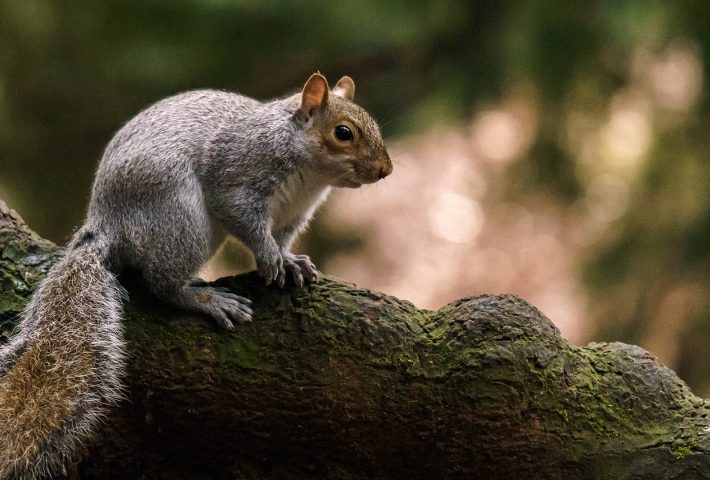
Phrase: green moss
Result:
[685,447]
[11,252]
[562,413]
[681,451]
[241,353]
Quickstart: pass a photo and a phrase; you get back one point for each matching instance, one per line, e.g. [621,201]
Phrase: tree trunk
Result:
[340,382]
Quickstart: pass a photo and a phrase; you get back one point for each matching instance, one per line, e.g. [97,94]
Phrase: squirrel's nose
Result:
[385,169]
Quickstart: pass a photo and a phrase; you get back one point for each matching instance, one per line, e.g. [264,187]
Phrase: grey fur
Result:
[68,357]
[172,183]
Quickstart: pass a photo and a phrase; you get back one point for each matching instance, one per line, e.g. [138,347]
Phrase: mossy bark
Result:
[340,382]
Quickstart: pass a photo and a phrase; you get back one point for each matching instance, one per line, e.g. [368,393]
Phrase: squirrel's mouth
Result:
[350,183]
[367,173]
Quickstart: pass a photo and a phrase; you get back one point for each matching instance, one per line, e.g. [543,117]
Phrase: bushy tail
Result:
[63,369]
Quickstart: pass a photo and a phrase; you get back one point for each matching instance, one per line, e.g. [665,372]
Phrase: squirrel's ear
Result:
[345,88]
[315,94]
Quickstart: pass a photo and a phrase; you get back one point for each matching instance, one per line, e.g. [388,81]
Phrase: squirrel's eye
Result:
[343,133]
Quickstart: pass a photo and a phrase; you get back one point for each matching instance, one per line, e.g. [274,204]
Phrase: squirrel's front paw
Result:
[301,268]
[271,268]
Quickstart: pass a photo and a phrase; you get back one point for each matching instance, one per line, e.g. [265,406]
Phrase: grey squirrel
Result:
[172,183]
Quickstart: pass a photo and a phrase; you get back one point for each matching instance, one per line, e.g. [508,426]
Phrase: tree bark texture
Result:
[334,381]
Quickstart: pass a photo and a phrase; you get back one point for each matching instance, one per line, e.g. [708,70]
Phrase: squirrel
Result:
[172,184]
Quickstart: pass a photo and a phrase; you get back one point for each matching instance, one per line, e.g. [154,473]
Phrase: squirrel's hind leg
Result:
[219,303]
[170,279]
[172,257]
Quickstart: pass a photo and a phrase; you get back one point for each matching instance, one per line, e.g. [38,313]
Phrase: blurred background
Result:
[556,150]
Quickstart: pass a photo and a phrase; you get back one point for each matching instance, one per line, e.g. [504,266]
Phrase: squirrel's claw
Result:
[301,269]
[294,269]
[281,278]
[272,269]
[308,269]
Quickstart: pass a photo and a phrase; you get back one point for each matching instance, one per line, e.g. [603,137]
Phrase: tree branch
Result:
[336,381]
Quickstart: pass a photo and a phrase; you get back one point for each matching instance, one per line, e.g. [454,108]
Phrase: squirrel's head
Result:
[349,143]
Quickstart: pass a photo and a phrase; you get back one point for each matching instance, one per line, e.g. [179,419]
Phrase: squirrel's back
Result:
[172,131]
